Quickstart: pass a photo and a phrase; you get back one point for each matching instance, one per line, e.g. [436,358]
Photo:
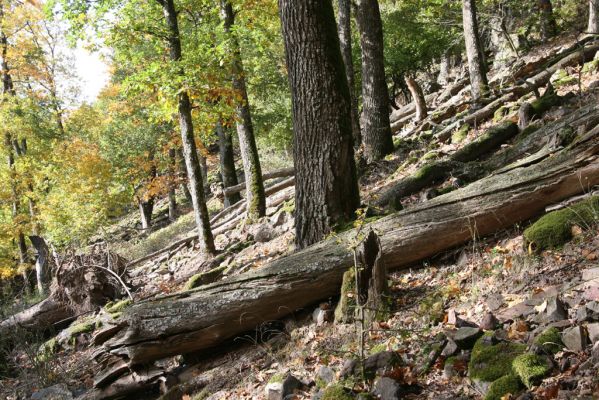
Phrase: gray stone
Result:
[56,392]
[291,385]
[593,330]
[325,374]
[575,338]
[273,390]
[595,352]
[556,310]
[378,363]
[264,233]
[489,322]
[450,349]
[387,389]
[465,337]
[495,301]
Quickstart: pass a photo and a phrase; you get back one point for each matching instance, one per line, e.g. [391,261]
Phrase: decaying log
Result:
[373,290]
[41,316]
[281,173]
[204,317]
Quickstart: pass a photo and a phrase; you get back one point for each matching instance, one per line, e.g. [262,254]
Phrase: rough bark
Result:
[548,26]
[202,318]
[345,42]
[227,164]
[593,26]
[322,143]
[376,128]
[42,316]
[418,97]
[41,263]
[194,173]
[245,129]
[474,51]
[172,184]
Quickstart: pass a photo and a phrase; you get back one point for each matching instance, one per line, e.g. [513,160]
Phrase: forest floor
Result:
[497,283]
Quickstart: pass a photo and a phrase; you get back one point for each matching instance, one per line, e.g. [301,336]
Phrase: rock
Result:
[495,301]
[595,352]
[322,314]
[264,233]
[517,311]
[325,374]
[593,330]
[575,338]
[291,385]
[387,389]
[376,364]
[454,319]
[531,368]
[465,337]
[279,218]
[56,392]
[594,85]
[489,322]
[450,349]
[556,310]
[549,341]
[455,366]
[273,390]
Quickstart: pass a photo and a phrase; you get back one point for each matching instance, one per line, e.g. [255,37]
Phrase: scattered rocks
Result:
[376,364]
[495,301]
[556,310]
[593,330]
[56,392]
[450,349]
[465,337]
[575,338]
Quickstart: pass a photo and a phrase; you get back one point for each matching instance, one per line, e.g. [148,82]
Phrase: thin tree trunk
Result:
[172,184]
[194,173]
[474,51]
[227,163]
[183,173]
[593,16]
[418,97]
[41,262]
[376,128]
[548,24]
[255,197]
[444,67]
[345,42]
[326,191]
[145,210]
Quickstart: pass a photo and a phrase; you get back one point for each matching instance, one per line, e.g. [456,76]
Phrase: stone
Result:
[291,385]
[376,364]
[489,322]
[595,352]
[278,219]
[594,85]
[450,349]
[592,308]
[465,337]
[593,330]
[322,314]
[273,390]
[264,233]
[495,301]
[325,374]
[556,310]
[515,312]
[591,273]
[56,392]
[575,338]
[387,389]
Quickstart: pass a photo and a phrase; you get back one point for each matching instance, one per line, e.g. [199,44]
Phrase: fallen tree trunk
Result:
[203,318]
[281,173]
[41,316]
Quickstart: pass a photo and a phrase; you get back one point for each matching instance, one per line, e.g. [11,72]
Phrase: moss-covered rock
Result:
[344,312]
[205,277]
[117,307]
[459,135]
[508,384]
[562,78]
[590,67]
[531,368]
[555,229]
[82,327]
[490,361]
[500,113]
[550,341]
[336,392]
[546,102]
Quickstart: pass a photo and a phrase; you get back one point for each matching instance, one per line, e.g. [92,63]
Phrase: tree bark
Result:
[204,317]
[145,211]
[41,262]
[418,98]
[227,164]
[245,129]
[172,184]
[593,17]
[474,51]
[322,143]
[376,128]
[194,173]
[548,24]
[345,41]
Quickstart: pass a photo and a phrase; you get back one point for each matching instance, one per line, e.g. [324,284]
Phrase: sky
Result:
[93,73]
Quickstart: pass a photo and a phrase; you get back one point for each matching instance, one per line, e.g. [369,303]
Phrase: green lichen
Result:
[119,306]
[555,229]
[508,384]
[590,67]
[336,392]
[378,348]
[550,341]
[490,362]
[47,349]
[562,78]
[345,308]
[528,130]
[116,315]
[459,135]
[200,279]
[531,368]
[276,378]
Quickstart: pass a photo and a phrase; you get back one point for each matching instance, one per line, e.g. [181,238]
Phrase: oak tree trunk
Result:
[418,97]
[172,184]
[255,197]
[593,17]
[227,163]
[326,191]
[194,172]
[345,41]
[376,128]
[474,51]
[548,25]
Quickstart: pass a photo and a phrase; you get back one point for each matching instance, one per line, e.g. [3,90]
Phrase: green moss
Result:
[459,135]
[531,368]
[83,327]
[205,277]
[116,315]
[545,103]
[431,155]
[508,384]
[555,229]
[490,362]
[550,341]
[345,308]
[562,78]
[487,142]
[119,306]
[47,350]
[276,378]
[378,348]
[528,130]
[590,67]
[500,113]
[336,392]
[445,190]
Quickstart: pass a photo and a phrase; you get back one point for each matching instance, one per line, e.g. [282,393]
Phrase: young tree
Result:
[194,173]
[376,129]
[418,96]
[326,191]
[227,162]
[345,41]
[474,51]
[256,199]
[593,17]
[548,24]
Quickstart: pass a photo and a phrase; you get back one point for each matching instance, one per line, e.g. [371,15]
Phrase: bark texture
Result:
[418,97]
[474,51]
[326,185]
[227,163]
[548,26]
[376,128]
[344,28]
[255,197]
[172,184]
[593,17]
[194,173]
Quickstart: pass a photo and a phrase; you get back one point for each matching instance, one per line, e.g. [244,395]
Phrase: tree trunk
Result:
[474,51]
[202,318]
[145,210]
[418,97]
[444,68]
[41,262]
[345,42]
[227,163]
[376,128]
[183,174]
[593,17]
[194,173]
[255,197]
[548,24]
[322,142]
[172,184]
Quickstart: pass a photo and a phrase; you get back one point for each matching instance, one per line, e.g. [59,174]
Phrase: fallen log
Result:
[281,173]
[204,317]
